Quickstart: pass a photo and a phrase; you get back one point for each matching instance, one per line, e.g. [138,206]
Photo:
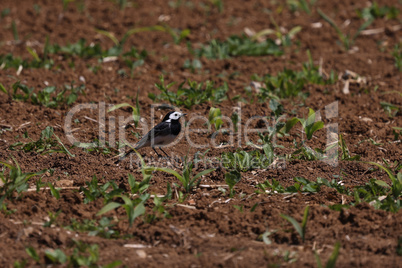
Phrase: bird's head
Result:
[173,116]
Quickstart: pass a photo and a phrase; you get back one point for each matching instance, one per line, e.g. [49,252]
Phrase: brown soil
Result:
[209,230]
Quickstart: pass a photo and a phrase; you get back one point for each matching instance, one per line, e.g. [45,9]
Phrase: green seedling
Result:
[303,5]
[237,46]
[397,53]
[177,4]
[44,145]
[33,54]
[305,153]
[136,110]
[55,192]
[33,254]
[391,109]
[284,39]
[274,187]
[267,136]
[66,3]
[195,93]
[239,208]
[39,184]
[105,227]
[56,256]
[345,154]
[310,125]
[376,192]
[193,65]
[335,184]
[52,218]
[83,255]
[176,34]
[159,208]
[48,97]
[37,8]
[181,197]
[374,11]
[289,83]
[289,256]
[26,91]
[396,188]
[117,49]
[346,39]
[397,131]
[3,89]
[78,49]
[138,187]
[231,179]
[9,61]
[97,146]
[371,141]
[94,190]
[370,191]
[332,259]
[122,4]
[244,161]
[15,31]
[235,120]
[38,62]
[187,180]
[5,12]
[218,4]
[134,208]
[14,181]
[301,229]
[302,185]
[276,108]
[133,65]
[240,160]
[265,236]
[215,118]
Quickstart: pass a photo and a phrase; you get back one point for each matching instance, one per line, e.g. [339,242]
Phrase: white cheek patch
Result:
[174,116]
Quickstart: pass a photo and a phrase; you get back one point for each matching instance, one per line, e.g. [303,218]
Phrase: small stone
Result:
[141,253]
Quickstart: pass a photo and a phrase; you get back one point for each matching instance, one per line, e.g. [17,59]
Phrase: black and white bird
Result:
[161,135]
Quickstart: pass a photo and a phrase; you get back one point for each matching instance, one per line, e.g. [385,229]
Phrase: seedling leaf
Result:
[304,222]
[300,229]
[139,210]
[202,173]
[2,88]
[334,256]
[56,256]
[382,183]
[295,224]
[32,253]
[108,207]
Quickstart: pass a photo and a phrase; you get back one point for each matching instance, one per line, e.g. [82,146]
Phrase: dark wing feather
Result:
[162,128]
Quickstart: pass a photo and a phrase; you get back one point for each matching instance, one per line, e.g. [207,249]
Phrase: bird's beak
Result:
[183,115]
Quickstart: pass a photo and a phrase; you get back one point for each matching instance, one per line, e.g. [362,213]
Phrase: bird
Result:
[162,134]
